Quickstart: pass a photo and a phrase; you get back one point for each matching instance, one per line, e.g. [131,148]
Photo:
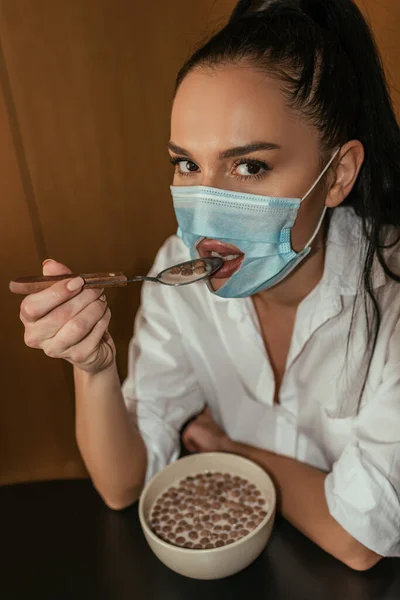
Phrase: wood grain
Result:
[36,408]
[384,19]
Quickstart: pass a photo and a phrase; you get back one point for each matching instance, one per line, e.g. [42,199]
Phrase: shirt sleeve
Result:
[363,488]
[160,391]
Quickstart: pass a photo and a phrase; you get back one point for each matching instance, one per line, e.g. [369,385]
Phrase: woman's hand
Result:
[69,324]
[204,435]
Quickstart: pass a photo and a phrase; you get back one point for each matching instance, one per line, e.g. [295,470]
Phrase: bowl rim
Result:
[146,528]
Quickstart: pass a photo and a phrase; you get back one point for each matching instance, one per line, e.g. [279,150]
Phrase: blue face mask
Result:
[258,225]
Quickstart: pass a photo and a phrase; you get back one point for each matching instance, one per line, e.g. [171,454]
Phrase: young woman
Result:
[286,154]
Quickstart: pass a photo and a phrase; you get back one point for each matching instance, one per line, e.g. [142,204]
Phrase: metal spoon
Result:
[177,275]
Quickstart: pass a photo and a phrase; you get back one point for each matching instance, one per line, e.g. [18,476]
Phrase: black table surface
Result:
[58,541]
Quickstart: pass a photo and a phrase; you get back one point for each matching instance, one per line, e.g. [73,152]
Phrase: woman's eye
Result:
[187,166]
[247,169]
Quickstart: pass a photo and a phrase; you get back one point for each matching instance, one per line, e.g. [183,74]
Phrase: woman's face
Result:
[231,129]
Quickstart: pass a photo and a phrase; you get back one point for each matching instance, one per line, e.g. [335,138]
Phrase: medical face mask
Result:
[258,225]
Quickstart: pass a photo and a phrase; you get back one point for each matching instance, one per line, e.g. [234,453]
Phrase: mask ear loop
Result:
[312,238]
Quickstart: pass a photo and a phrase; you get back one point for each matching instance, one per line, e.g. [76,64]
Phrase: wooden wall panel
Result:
[92,82]
[36,406]
[384,18]
[90,85]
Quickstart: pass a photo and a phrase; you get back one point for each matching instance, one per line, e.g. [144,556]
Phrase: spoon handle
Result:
[30,285]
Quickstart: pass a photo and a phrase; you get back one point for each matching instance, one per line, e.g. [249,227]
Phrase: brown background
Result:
[85,89]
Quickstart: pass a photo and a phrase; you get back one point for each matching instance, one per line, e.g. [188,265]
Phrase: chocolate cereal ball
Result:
[207,510]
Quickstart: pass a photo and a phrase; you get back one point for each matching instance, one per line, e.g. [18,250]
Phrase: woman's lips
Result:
[207,246]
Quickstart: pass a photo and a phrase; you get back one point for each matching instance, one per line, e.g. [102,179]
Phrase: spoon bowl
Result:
[186,272]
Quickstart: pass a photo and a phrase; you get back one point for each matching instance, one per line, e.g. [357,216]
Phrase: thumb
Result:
[190,445]
[52,267]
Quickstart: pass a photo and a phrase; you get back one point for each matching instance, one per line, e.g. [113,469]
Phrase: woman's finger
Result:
[53,267]
[36,306]
[76,329]
[188,441]
[190,446]
[90,345]
[51,324]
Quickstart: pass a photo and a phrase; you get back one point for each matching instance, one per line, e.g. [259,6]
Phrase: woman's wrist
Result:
[82,374]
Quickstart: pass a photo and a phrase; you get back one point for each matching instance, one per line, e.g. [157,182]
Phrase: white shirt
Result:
[193,348]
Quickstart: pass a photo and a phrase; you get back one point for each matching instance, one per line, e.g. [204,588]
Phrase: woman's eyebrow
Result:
[178,150]
[247,149]
[231,152]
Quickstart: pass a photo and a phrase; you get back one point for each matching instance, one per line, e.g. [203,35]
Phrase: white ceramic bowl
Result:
[217,562]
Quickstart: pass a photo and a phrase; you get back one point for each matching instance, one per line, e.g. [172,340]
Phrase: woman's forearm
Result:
[301,500]
[112,448]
